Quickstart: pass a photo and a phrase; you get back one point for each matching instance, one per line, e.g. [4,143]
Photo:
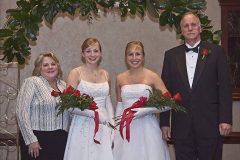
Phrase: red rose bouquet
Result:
[156,100]
[72,98]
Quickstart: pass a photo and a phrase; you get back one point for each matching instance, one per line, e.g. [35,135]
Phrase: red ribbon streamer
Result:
[96,120]
[93,107]
[128,116]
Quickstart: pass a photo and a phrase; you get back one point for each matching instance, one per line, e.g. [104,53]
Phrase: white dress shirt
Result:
[191,62]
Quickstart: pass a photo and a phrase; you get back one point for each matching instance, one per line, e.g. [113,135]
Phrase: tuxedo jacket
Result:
[208,102]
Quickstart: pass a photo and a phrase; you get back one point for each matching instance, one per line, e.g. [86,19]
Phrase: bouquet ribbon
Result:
[93,107]
[128,116]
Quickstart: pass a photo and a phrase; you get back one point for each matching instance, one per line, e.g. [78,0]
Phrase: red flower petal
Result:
[167,94]
[93,106]
[69,89]
[55,93]
[205,51]
[77,93]
[177,97]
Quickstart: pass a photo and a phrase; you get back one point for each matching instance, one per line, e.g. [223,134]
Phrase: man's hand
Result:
[166,133]
[225,129]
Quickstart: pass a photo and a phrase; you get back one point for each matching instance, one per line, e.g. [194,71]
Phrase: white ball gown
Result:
[146,141]
[80,143]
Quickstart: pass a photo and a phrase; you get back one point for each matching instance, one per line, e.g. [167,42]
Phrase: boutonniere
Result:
[205,52]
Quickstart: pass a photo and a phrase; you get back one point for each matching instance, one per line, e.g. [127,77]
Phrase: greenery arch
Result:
[22,26]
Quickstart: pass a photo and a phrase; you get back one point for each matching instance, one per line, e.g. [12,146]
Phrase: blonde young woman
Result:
[90,79]
[146,141]
[43,134]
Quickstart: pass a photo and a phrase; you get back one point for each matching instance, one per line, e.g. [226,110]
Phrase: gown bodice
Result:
[99,91]
[131,93]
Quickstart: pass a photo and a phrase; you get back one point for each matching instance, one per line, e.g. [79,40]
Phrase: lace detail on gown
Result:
[80,144]
[146,141]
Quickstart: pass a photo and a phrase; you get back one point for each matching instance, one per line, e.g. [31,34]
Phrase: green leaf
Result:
[177,20]
[51,11]
[180,10]
[16,14]
[133,7]
[13,23]
[8,43]
[176,3]
[106,4]
[204,19]
[163,5]
[151,9]
[216,38]
[24,5]
[163,19]
[140,10]
[206,27]
[123,9]
[5,33]
[20,58]
[171,19]
[8,55]
[197,5]
[206,35]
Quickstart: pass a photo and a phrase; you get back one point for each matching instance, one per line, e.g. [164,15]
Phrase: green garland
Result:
[22,26]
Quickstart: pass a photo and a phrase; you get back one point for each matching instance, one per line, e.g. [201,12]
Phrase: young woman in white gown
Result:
[146,141]
[90,79]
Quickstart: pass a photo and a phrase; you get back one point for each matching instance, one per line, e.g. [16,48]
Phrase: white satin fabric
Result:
[146,141]
[80,144]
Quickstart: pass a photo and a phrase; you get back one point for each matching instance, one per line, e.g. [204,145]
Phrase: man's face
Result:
[191,28]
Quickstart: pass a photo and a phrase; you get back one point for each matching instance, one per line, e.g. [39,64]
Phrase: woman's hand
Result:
[141,112]
[33,149]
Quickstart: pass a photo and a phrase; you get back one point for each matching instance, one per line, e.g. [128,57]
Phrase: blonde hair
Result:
[136,44]
[87,43]
[38,64]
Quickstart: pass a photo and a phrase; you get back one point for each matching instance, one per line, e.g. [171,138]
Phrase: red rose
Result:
[55,93]
[77,93]
[69,89]
[93,106]
[167,94]
[205,52]
[177,97]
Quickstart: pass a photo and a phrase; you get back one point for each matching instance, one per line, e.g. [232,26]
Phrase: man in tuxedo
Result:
[199,72]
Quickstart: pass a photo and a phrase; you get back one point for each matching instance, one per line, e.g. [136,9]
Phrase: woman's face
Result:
[134,57]
[49,68]
[92,54]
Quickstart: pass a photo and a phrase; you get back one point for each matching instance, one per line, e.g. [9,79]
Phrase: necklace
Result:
[92,74]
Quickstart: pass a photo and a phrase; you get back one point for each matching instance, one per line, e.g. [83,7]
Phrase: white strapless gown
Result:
[146,141]
[80,144]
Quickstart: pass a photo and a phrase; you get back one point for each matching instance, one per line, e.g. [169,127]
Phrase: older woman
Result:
[43,133]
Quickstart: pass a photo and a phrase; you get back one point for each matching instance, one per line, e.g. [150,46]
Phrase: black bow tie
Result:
[195,49]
